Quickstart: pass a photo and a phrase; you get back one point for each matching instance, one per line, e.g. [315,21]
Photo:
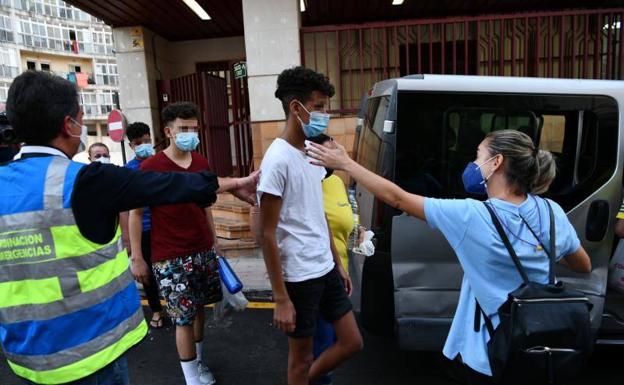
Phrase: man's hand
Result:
[346,280]
[246,188]
[140,270]
[284,316]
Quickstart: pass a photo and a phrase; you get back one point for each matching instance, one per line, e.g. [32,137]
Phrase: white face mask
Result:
[103,160]
[83,136]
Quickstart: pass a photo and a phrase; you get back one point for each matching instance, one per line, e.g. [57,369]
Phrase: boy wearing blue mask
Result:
[140,139]
[182,244]
[304,267]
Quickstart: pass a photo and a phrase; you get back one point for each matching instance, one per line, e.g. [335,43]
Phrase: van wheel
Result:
[377,313]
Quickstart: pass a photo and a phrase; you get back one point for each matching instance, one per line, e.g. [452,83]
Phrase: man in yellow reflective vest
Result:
[69,309]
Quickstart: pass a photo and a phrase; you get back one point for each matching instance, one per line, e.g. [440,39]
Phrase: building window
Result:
[74,68]
[106,72]
[40,34]
[9,66]
[45,67]
[56,37]
[66,11]
[106,102]
[31,65]
[54,8]
[4,89]
[102,41]
[88,101]
[6,29]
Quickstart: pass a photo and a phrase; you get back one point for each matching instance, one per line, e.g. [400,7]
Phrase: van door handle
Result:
[597,220]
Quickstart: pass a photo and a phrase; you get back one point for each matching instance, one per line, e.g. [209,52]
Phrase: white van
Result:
[420,131]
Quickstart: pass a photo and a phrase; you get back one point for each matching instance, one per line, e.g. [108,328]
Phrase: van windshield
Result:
[438,134]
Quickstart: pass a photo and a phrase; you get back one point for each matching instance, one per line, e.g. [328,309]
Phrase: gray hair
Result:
[528,169]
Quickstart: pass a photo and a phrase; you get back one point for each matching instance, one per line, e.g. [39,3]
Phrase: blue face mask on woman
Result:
[187,141]
[144,150]
[317,125]
[474,183]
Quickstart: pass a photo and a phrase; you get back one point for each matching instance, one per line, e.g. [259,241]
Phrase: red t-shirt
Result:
[178,229]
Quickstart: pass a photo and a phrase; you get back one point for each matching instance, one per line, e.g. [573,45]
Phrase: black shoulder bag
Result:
[544,335]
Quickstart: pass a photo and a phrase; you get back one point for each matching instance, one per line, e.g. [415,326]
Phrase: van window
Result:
[369,145]
[553,130]
[438,134]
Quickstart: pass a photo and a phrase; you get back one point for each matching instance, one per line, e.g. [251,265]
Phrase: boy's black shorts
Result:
[325,295]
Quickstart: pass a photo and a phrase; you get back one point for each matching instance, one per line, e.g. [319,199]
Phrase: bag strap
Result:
[553,244]
[477,320]
[478,309]
[510,249]
[552,250]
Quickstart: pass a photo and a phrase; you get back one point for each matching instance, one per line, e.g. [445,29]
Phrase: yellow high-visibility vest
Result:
[68,306]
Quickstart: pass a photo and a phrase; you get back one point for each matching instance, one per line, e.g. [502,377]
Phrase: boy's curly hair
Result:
[182,110]
[299,83]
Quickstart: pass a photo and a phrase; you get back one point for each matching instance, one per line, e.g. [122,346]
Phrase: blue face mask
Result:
[474,183]
[144,150]
[317,124]
[187,141]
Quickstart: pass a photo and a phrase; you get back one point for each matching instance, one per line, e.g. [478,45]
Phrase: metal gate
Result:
[209,93]
[238,112]
[579,44]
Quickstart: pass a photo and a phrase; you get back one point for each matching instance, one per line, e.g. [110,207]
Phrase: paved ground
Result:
[252,272]
[246,350]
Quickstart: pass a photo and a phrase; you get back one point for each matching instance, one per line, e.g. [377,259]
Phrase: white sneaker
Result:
[205,375]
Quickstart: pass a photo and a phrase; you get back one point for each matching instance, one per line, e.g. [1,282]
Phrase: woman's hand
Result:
[384,190]
[361,233]
[336,157]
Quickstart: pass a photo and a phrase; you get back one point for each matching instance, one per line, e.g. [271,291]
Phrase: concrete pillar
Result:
[272,45]
[138,74]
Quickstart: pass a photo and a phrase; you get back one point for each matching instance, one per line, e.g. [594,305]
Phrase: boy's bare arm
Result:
[284,314]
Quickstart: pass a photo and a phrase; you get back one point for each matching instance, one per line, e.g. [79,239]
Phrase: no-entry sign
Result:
[116,125]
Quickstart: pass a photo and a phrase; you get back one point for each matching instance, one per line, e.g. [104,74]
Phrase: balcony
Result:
[59,10]
[67,46]
[96,111]
[75,78]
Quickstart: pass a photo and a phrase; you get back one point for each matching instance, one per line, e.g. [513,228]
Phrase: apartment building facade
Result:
[51,35]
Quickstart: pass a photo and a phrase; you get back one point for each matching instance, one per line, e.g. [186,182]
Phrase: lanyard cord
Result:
[535,235]
[539,245]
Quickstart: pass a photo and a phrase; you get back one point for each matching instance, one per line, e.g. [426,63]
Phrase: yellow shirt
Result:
[339,215]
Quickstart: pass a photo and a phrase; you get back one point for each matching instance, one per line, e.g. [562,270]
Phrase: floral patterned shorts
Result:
[187,284]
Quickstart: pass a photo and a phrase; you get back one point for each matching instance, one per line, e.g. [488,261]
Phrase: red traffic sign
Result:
[116,125]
